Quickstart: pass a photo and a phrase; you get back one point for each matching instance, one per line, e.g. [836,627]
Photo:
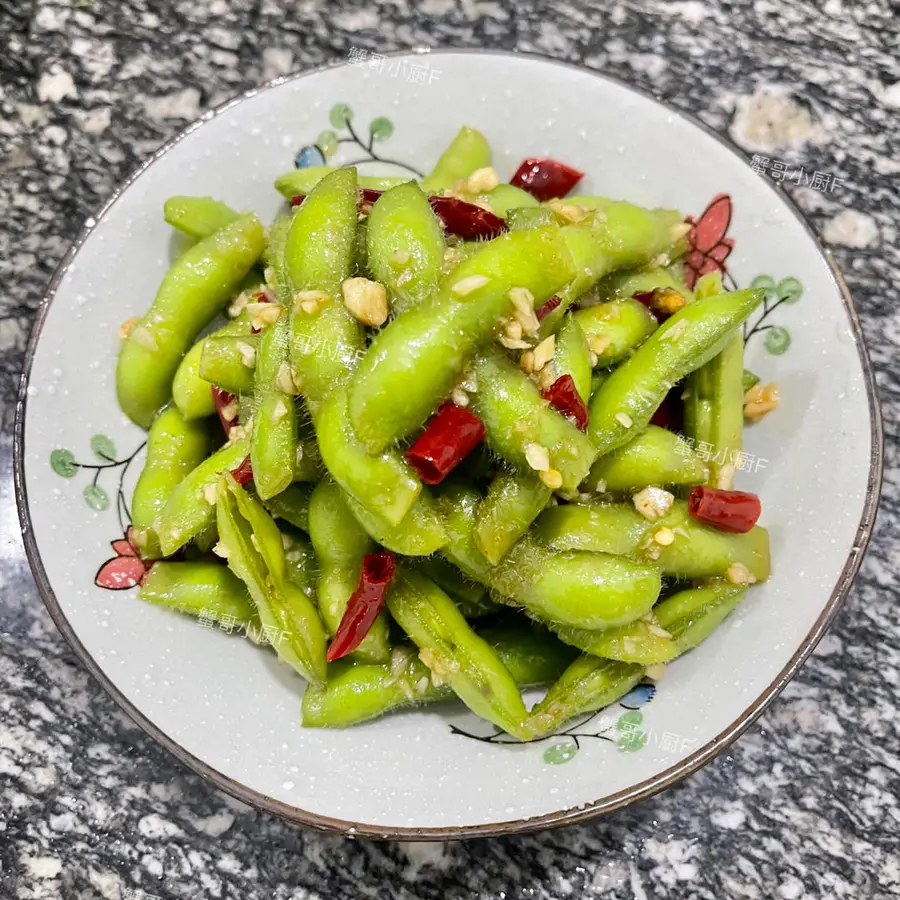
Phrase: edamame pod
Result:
[384,484]
[656,456]
[470,596]
[624,285]
[188,511]
[201,587]
[517,419]
[573,357]
[340,544]
[453,651]
[581,588]
[301,565]
[405,243]
[714,410]
[468,151]
[514,500]
[292,505]
[228,362]
[198,217]
[413,363]
[459,503]
[318,256]
[643,641]
[253,546]
[195,288]
[420,533]
[692,615]
[504,198]
[615,329]
[623,405]
[273,450]
[696,551]
[304,181]
[174,448]
[588,684]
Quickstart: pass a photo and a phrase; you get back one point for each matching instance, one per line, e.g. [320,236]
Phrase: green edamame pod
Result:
[340,544]
[506,197]
[198,587]
[580,588]
[198,217]
[624,285]
[195,288]
[273,450]
[190,390]
[453,651]
[412,364]
[643,641]
[254,549]
[524,218]
[405,243]
[459,503]
[516,416]
[656,456]
[573,357]
[420,533]
[696,551]
[301,565]
[292,505]
[303,181]
[188,510]
[514,500]
[615,329]
[318,256]
[628,398]
[750,379]
[714,410]
[228,362]
[468,151]
[384,484]
[470,596]
[692,615]
[620,236]
[174,448]
[587,685]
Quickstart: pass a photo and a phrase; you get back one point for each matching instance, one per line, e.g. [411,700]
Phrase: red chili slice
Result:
[222,399]
[545,178]
[466,220]
[564,396]
[451,435]
[545,310]
[364,604]
[733,511]
[243,474]
[297,199]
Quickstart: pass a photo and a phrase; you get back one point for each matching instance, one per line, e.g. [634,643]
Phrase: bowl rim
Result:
[640,791]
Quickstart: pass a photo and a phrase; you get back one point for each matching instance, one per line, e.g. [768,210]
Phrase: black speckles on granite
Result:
[805,806]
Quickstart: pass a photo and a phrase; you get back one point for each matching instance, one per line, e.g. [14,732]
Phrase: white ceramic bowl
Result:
[231,712]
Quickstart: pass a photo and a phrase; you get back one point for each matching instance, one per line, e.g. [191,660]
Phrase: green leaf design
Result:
[789,289]
[96,497]
[631,737]
[560,753]
[626,721]
[340,114]
[63,463]
[103,447]
[767,283]
[381,128]
[632,742]
[777,340]
[327,142]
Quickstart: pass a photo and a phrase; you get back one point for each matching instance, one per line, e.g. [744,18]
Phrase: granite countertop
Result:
[805,805]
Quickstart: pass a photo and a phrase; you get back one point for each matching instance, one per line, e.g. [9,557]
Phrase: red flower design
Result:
[709,248]
[126,569]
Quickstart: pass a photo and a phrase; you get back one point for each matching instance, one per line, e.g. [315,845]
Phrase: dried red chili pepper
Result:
[451,435]
[297,199]
[545,310]
[733,511]
[564,396]
[222,399]
[243,474]
[364,604]
[466,220]
[545,178]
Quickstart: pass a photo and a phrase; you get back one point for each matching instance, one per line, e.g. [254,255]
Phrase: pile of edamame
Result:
[430,462]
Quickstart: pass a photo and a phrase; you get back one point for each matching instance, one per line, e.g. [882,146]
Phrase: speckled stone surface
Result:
[806,805]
